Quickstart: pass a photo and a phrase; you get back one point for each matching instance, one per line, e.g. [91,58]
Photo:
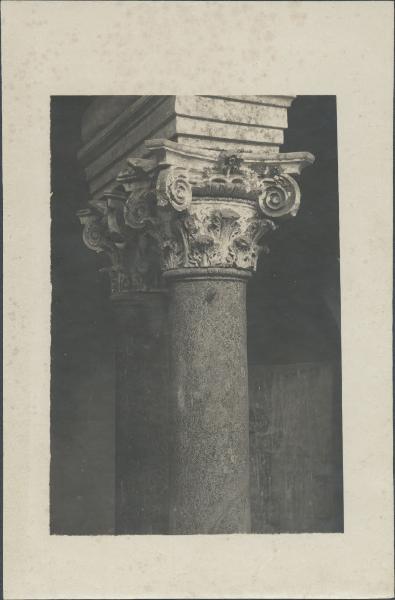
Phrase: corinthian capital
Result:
[182,207]
[209,209]
[132,257]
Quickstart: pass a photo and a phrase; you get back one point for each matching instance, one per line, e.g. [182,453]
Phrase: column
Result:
[139,306]
[141,419]
[208,212]
[209,401]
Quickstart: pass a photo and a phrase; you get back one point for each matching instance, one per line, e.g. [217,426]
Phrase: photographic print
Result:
[197,299]
[195,328]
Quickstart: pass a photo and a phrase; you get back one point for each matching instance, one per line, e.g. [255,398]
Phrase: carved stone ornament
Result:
[133,257]
[183,209]
[279,196]
[211,216]
[173,188]
[226,234]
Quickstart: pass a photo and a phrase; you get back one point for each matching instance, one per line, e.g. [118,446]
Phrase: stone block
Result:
[226,110]
[115,127]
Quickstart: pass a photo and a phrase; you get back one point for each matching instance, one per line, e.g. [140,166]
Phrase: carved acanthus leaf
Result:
[213,235]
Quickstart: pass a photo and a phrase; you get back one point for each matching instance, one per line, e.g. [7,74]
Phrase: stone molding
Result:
[187,208]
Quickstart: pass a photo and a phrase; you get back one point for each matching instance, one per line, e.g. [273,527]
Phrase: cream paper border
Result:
[342,48]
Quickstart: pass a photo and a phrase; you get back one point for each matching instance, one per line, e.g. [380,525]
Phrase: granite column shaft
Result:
[209,402]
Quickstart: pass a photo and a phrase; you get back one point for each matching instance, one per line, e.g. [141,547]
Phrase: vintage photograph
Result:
[196,319]
[198,299]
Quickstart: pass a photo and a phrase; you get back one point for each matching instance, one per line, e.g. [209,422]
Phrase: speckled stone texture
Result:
[142,468]
[209,487]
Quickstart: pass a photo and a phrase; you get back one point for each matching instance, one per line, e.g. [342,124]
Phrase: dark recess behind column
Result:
[82,367]
[294,346]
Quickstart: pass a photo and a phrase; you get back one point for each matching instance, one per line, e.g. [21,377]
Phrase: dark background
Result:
[293,308]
